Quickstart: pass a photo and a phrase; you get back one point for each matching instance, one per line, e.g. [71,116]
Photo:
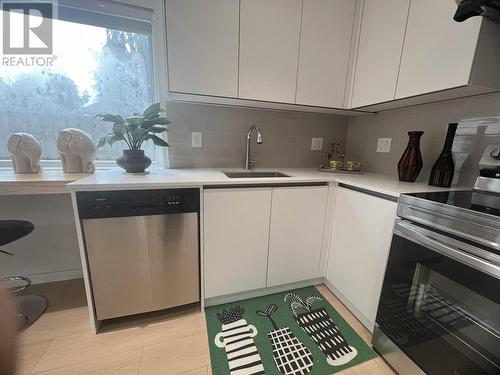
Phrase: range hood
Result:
[472,8]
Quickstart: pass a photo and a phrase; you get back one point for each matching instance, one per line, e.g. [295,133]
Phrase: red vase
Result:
[411,163]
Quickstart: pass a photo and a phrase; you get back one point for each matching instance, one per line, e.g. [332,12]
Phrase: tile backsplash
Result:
[479,125]
[287,136]
[471,139]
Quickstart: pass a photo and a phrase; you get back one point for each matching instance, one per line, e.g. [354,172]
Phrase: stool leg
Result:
[15,290]
[23,319]
[30,307]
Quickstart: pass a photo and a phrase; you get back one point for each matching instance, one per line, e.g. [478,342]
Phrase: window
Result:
[103,65]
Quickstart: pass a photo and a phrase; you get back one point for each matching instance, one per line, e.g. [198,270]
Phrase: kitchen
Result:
[233,220]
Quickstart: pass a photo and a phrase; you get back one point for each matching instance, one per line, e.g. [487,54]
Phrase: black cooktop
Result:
[486,203]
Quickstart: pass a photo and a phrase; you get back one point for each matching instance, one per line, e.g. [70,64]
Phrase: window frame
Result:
[160,92]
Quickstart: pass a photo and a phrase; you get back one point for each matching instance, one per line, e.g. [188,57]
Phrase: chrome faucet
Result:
[248,161]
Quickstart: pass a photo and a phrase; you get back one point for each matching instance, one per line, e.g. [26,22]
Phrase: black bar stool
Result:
[29,307]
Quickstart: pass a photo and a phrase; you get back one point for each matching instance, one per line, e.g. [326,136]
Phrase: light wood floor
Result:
[61,343]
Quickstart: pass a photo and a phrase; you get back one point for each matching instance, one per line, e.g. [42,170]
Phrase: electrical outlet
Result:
[384,145]
[317,144]
[196,139]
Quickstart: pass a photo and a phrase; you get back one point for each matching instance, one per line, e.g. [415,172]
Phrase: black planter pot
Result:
[133,161]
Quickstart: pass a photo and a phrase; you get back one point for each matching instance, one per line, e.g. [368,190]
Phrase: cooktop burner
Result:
[471,200]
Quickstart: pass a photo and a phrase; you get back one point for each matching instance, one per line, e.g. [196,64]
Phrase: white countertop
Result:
[115,179]
[48,181]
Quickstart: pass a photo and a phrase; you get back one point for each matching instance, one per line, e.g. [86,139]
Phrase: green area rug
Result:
[291,333]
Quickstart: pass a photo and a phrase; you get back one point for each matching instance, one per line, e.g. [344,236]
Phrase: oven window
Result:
[443,314]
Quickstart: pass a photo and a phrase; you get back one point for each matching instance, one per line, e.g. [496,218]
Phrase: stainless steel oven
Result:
[439,309]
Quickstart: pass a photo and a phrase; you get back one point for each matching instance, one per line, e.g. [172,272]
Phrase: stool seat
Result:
[29,307]
[12,230]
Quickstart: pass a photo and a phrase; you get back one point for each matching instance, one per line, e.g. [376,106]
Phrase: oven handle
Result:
[417,234]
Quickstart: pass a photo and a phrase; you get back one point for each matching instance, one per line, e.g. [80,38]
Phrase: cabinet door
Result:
[438,52]
[360,242]
[236,239]
[269,49]
[324,52]
[379,51]
[296,235]
[202,38]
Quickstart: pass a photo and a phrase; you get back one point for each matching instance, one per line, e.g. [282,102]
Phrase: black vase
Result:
[444,168]
[133,161]
[411,163]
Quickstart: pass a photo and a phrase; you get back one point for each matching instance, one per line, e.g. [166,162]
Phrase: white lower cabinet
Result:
[262,237]
[360,242]
[296,235]
[236,239]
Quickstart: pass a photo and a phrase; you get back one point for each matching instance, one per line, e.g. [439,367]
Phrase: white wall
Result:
[50,252]
[479,125]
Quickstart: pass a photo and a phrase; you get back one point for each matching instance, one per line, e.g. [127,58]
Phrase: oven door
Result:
[440,305]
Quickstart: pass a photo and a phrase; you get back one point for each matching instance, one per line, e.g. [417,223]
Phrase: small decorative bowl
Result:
[336,164]
[353,165]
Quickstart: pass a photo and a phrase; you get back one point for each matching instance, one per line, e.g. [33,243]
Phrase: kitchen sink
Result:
[254,174]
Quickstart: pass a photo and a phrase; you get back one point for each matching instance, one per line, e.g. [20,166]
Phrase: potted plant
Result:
[134,131]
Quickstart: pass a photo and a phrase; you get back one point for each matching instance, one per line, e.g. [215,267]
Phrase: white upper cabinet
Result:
[324,52]
[438,52]
[296,234]
[269,49]
[380,46]
[203,46]
[330,54]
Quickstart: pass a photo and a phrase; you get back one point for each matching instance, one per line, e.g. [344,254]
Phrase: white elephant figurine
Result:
[25,152]
[77,150]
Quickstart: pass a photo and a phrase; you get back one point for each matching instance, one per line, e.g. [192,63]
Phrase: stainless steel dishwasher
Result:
[142,249]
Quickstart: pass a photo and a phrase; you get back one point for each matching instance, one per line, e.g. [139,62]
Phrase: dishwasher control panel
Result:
[121,203]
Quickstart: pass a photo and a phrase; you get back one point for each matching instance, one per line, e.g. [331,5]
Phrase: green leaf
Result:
[134,121]
[138,134]
[162,121]
[112,118]
[109,139]
[152,110]
[156,121]
[115,138]
[120,129]
[103,141]
[157,129]
[157,140]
